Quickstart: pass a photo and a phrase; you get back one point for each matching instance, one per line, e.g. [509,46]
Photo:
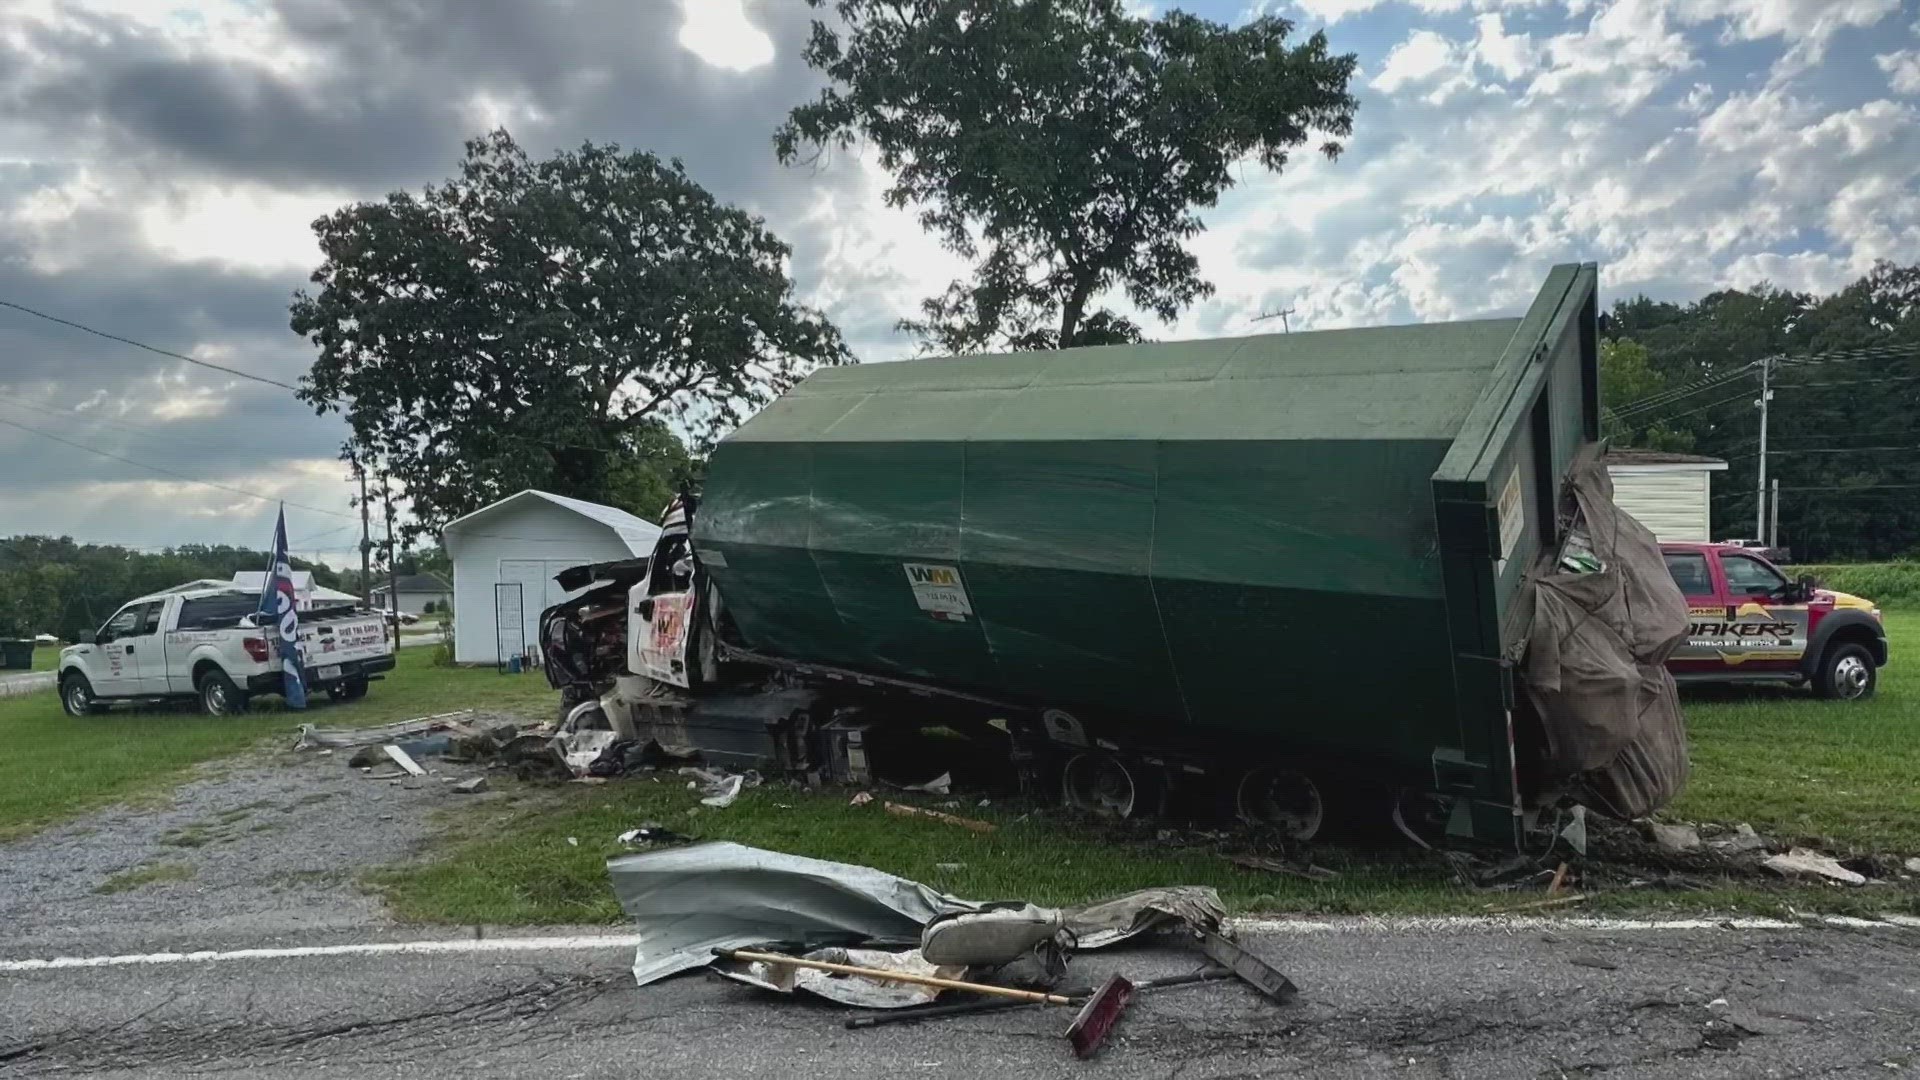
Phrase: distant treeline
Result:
[57,586]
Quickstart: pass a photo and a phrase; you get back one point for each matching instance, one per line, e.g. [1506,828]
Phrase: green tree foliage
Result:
[57,586]
[1063,146]
[1627,375]
[548,324]
[1844,431]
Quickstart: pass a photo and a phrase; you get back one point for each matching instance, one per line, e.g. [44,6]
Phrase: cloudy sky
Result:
[160,161]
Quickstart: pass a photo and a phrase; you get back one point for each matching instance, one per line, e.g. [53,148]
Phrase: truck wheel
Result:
[76,696]
[219,697]
[348,691]
[1110,786]
[1847,674]
[1286,800]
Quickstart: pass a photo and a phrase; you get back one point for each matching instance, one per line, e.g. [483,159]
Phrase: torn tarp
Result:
[688,901]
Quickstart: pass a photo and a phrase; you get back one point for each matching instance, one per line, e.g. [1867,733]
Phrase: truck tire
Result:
[352,690]
[218,695]
[76,696]
[1846,673]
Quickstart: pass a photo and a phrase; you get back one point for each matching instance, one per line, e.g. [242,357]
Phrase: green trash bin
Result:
[16,654]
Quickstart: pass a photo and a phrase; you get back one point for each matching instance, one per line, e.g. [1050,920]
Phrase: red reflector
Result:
[256,647]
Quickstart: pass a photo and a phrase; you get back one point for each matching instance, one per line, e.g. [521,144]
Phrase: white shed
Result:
[1671,494]
[524,540]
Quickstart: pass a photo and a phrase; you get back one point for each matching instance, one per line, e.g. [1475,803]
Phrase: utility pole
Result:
[1283,315]
[366,538]
[1773,517]
[393,564]
[1760,490]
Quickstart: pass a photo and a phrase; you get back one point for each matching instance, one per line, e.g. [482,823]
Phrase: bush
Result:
[426,608]
[1883,583]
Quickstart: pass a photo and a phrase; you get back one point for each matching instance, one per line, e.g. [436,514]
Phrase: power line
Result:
[1703,408]
[1841,450]
[150,348]
[1662,397]
[1851,382]
[169,472]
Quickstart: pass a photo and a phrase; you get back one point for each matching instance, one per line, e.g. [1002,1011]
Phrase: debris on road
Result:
[939,785]
[1806,862]
[976,825]
[1742,840]
[473,786]
[860,798]
[724,792]
[402,759]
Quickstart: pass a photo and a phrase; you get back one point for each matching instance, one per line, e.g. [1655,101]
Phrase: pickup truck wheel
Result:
[348,691]
[1847,674]
[1287,800]
[219,697]
[76,696]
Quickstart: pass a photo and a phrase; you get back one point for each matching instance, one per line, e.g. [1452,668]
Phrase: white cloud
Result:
[1512,55]
[1425,61]
[1903,70]
[719,32]
[248,226]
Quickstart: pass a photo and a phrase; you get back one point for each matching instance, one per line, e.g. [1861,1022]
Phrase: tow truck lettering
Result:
[1742,630]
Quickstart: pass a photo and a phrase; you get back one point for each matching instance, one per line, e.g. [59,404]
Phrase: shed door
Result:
[538,590]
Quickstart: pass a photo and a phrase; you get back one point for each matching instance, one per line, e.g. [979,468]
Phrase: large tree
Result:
[548,324]
[1063,146]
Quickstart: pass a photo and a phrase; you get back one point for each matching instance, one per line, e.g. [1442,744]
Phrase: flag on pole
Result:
[277,609]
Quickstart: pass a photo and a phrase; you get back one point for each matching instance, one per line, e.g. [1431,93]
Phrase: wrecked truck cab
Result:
[1293,568]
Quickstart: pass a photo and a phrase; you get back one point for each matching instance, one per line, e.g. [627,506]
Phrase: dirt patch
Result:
[267,842]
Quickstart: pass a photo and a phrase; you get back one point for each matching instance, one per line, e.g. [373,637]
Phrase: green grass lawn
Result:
[1795,766]
[45,658]
[55,766]
[1790,765]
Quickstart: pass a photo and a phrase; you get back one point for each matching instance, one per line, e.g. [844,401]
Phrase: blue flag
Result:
[277,609]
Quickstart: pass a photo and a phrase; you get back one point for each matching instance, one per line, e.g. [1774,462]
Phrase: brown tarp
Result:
[1595,667]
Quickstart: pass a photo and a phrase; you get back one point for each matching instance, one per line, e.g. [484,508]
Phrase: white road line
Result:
[581,942]
[374,948]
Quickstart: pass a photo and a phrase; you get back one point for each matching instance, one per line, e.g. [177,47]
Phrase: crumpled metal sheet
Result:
[998,934]
[1109,922]
[339,738]
[847,989]
[688,901]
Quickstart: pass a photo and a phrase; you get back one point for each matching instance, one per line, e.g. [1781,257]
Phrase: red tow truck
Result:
[1748,622]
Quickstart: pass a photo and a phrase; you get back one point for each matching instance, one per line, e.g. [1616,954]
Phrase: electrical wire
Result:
[1662,397]
[149,348]
[169,472]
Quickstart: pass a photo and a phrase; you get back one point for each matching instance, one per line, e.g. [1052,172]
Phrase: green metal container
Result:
[1306,538]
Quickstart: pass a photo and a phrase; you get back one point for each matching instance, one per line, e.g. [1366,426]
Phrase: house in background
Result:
[416,592]
[1671,494]
[504,558]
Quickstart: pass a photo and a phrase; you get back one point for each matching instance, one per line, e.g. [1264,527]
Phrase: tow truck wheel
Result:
[1101,784]
[1284,799]
[76,696]
[219,697]
[1847,674]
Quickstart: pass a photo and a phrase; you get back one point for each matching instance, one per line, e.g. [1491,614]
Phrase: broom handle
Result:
[897,976]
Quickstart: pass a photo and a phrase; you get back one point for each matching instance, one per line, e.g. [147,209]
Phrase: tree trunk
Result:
[1070,314]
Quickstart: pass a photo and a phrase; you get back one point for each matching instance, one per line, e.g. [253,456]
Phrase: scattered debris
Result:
[939,785]
[474,786]
[1246,967]
[1742,840]
[903,810]
[779,972]
[311,737]
[1096,1018]
[990,937]
[949,867]
[1806,862]
[573,841]
[430,746]
[401,759]
[1575,832]
[366,757]
[534,757]
[650,833]
[1913,865]
[725,792]
[860,798]
[1559,879]
[1673,837]
[1599,963]
[1276,866]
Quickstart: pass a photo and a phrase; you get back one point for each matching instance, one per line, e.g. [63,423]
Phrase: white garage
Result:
[520,542]
[1671,494]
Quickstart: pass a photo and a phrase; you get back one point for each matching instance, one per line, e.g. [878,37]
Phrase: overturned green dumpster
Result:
[1305,566]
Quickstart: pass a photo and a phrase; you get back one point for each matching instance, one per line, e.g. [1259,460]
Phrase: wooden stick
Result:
[1559,879]
[1557,901]
[896,976]
[903,810]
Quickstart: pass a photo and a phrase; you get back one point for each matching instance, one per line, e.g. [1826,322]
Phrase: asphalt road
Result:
[1382,1001]
[269,845]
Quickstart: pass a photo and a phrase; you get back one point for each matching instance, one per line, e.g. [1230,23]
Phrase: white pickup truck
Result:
[203,643]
